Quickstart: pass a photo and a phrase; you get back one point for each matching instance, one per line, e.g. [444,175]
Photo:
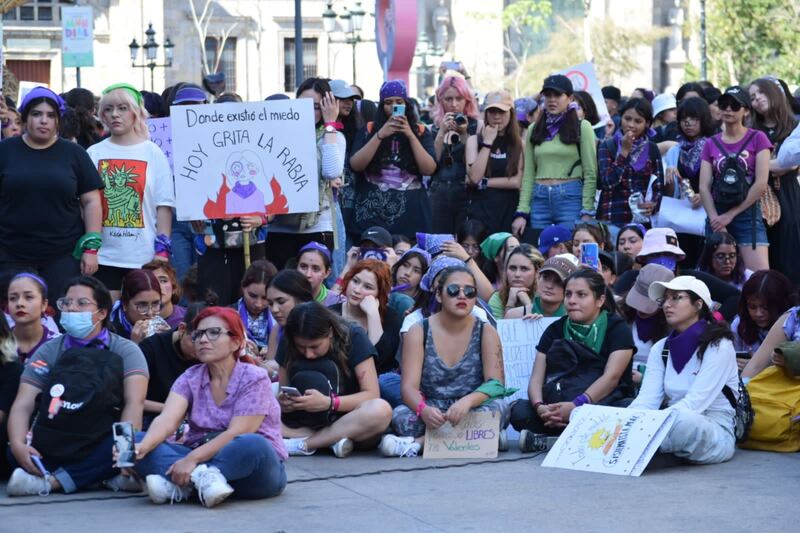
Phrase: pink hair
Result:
[463,89]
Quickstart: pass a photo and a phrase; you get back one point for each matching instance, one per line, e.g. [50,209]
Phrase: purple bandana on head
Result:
[393,88]
[432,242]
[426,283]
[245,190]
[42,92]
[640,153]
[316,246]
[553,122]
[418,250]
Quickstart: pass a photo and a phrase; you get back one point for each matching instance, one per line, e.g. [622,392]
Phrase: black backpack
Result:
[731,188]
[321,374]
[92,400]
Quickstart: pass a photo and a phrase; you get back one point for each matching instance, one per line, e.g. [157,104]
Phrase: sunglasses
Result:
[733,105]
[453,290]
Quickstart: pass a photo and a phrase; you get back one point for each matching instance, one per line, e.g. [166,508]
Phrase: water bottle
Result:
[688,191]
[634,200]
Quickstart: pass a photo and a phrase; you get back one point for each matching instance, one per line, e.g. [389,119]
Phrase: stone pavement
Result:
[756,491]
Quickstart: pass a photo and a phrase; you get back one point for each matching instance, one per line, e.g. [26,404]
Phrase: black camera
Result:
[460,119]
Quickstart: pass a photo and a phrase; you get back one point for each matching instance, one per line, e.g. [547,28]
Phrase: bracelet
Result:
[581,400]
[421,407]
[264,220]
[335,401]
[536,406]
[90,252]
[520,214]
[162,244]
[90,241]
[378,135]
[338,125]
[485,145]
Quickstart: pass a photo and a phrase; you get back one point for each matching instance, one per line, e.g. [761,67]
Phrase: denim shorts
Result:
[556,204]
[741,227]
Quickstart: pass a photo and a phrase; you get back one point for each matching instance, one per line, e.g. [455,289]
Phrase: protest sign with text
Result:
[161,134]
[475,437]
[238,159]
[584,78]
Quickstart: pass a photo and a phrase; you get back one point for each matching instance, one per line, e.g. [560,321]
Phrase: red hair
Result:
[383,276]
[232,320]
[137,281]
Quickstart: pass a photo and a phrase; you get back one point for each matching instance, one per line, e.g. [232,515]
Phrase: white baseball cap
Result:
[681,283]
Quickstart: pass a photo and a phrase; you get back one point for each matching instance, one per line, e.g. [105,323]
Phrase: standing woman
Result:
[774,117]
[349,123]
[494,158]
[391,155]
[627,162]
[745,154]
[50,205]
[139,192]
[456,118]
[27,302]
[288,233]
[560,177]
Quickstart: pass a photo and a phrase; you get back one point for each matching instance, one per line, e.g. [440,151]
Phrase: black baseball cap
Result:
[736,93]
[611,93]
[378,235]
[558,83]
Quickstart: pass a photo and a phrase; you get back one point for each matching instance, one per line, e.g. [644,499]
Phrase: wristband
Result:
[264,220]
[421,407]
[90,252]
[165,255]
[485,145]
[163,245]
[536,406]
[581,400]
[378,135]
[520,214]
[90,241]
[335,401]
[338,125]
[483,184]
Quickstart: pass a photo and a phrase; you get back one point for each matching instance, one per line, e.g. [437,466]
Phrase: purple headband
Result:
[418,251]
[316,246]
[393,88]
[32,276]
[42,92]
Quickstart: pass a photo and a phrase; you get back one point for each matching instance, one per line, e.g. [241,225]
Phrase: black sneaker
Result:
[535,442]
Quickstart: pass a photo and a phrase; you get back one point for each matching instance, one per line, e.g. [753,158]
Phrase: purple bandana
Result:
[666,260]
[640,153]
[393,88]
[646,327]
[42,92]
[244,190]
[690,153]
[682,346]
[316,246]
[432,242]
[553,122]
[101,340]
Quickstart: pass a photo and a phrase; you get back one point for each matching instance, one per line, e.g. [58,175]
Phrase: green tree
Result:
[752,38]
[522,21]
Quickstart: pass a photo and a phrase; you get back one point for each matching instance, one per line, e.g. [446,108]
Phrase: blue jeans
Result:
[390,388]
[92,469]
[248,462]
[741,227]
[556,204]
[183,254]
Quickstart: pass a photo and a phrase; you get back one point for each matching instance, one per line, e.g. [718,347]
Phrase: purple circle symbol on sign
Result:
[396,36]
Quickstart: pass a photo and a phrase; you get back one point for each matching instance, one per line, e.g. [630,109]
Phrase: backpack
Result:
[320,374]
[776,402]
[731,188]
[743,410]
[88,382]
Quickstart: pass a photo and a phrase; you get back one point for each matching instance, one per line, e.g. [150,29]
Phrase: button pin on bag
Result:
[56,391]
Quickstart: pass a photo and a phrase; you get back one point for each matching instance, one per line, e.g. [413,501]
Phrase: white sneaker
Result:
[297,446]
[394,446]
[162,490]
[124,483]
[22,483]
[342,448]
[502,441]
[211,485]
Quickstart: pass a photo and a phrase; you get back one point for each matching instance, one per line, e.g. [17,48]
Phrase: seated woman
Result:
[331,363]
[366,289]
[786,328]
[495,248]
[408,272]
[549,299]
[452,364]
[168,355]
[470,236]
[75,459]
[170,292]
[630,240]
[519,281]
[721,258]
[591,324]
[10,370]
[765,297]
[27,302]
[287,290]
[233,444]
[314,262]
[254,311]
[585,233]
[135,315]
[691,378]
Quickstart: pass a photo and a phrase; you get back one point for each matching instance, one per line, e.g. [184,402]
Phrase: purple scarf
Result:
[682,346]
[244,190]
[553,122]
[101,340]
[640,152]
[690,153]
[646,328]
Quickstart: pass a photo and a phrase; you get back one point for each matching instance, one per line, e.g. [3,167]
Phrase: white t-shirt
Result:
[137,181]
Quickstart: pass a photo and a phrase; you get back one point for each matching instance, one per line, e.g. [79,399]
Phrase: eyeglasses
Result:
[212,334]
[83,304]
[674,299]
[143,307]
[454,290]
[690,121]
[725,258]
[733,105]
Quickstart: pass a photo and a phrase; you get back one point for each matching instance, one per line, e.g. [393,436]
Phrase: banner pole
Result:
[246,245]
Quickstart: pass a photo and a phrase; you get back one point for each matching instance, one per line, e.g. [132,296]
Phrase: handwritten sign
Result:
[678,214]
[247,158]
[610,440]
[77,42]
[161,134]
[476,437]
[584,78]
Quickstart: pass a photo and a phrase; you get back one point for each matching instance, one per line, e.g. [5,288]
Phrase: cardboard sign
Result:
[77,41]
[584,78]
[610,440]
[476,437]
[238,159]
[161,134]
[25,87]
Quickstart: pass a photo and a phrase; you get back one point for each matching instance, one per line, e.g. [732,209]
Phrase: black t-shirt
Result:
[618,337]
[164,363]
[40,215]
[360,350]
[9,383]
[389,342]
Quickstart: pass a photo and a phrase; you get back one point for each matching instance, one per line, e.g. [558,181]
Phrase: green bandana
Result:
[494,390]
[323,293]
[90,241]
[536,309]
[493,243]
[592,335]
[137,96]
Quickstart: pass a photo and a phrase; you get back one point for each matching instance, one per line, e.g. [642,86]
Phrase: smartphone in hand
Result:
[290,391]
[124,442]
[590,255]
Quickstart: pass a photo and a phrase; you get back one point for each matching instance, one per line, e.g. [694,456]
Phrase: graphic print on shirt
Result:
[125,181]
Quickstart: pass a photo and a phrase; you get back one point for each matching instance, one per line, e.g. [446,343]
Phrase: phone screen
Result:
[398,110]
[374,253]
[590,255]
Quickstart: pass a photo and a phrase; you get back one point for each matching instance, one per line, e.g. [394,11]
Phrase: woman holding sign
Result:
[452,364]
[139,192]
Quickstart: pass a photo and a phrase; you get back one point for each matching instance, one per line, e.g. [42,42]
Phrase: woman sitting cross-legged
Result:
[233,443]
[329,386]
[601,344]
[452,364]
[701,361]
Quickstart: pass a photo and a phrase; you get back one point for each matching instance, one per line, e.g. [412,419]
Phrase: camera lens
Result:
[460,119]
[455,138]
